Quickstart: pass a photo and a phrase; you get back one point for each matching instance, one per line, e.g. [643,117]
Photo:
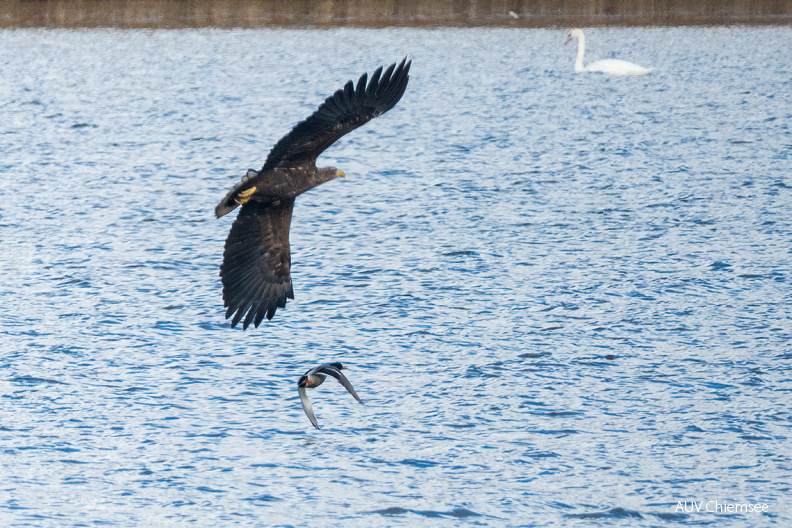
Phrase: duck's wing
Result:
[340,114]
[312,371]
[337,374]
[306,405]
[257,262]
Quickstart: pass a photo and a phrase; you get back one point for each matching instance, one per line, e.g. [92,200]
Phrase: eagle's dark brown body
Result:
[256,269]
[277,184]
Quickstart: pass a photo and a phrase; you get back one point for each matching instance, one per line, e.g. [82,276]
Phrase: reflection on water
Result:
[380,13]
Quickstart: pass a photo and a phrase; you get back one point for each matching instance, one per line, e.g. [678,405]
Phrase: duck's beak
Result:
[340,174]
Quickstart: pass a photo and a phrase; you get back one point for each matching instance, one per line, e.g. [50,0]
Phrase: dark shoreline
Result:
[386,13]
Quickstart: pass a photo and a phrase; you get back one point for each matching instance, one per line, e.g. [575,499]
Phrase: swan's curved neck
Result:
[581,51]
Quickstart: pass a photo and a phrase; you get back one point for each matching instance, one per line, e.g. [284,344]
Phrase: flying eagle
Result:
[257,259]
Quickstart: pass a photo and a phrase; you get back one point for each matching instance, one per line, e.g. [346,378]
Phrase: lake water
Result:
[565,299]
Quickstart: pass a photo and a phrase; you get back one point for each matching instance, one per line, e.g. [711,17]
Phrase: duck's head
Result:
[337,365]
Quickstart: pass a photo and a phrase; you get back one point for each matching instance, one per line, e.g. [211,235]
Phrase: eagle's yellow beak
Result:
[340,174]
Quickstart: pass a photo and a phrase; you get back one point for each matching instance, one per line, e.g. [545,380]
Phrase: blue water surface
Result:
[564,299]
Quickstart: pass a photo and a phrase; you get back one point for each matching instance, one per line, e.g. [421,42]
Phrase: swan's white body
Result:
[611,66]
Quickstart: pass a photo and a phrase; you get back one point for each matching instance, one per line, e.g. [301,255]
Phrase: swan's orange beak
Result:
[568,40]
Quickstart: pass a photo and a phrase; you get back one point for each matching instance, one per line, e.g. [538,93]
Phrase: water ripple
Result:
[563,298]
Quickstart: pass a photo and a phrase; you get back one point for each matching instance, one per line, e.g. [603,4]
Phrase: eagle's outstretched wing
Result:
[257,262]
[341,113]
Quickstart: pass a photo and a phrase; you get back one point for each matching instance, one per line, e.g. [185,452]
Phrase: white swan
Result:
[612,66]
